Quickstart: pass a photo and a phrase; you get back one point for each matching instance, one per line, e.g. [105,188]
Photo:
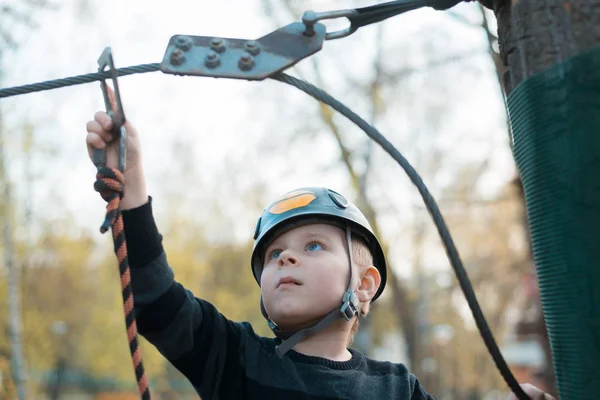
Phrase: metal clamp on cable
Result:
[114,110]
[241,58]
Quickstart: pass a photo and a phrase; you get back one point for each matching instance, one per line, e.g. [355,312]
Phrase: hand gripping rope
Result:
[259,59]
[109,183]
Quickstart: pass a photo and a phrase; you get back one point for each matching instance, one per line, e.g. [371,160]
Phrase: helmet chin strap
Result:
[349,308]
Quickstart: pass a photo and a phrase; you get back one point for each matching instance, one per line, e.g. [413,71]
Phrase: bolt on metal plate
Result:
[177,57]
[241,58]
[183,42]
[212,59]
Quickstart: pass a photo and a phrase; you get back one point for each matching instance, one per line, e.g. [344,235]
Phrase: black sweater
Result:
[228,360]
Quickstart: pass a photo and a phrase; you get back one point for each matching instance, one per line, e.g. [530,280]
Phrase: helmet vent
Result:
[338,199]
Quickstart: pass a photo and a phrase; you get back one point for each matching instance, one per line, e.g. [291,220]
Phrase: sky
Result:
[224,124]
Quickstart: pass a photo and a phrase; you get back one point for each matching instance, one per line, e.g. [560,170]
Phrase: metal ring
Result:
[310,18]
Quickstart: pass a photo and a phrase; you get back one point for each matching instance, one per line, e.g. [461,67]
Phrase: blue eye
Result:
[275,253]
[314,246]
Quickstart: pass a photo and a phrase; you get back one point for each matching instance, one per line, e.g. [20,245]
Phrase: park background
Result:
[217,151]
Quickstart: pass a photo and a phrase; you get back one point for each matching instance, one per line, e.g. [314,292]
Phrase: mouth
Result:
[288,281]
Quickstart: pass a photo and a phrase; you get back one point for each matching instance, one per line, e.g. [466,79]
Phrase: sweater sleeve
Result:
[188,331]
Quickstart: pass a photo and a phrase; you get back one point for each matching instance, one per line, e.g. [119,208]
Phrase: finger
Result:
[535,393]
[131,131]
[111,98]
[94,141]
[95,127]
[104,119]
[113,103]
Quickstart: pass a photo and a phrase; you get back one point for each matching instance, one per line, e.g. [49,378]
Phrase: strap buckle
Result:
[350,305]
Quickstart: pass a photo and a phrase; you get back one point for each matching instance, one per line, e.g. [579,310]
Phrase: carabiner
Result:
[310,18]
[115,111]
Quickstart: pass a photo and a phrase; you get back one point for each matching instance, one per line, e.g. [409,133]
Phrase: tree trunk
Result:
[535,36]
[537,328]
[14,304]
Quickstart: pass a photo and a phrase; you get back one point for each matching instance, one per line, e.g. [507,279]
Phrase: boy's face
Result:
[305,274]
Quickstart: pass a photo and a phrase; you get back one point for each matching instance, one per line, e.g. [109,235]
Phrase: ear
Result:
[369,283]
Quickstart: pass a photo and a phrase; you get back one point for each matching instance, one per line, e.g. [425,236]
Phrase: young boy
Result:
[319,267]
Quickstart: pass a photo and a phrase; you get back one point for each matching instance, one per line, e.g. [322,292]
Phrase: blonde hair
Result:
[362,258]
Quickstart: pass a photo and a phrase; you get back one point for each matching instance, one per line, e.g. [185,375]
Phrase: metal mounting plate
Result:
[241,58]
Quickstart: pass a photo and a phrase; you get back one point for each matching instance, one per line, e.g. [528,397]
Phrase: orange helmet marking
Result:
[290,201]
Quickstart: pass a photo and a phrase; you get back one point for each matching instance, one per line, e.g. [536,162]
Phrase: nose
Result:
[287,257]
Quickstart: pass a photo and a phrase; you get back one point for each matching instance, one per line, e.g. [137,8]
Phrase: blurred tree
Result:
[19,369]
[14,16]
[492,247]
[17,15]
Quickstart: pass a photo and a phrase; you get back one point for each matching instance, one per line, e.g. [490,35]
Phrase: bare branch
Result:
[392,76]
[20,16]
[8,40]
[377,106]
[45,4]
[327,115]
[15,324]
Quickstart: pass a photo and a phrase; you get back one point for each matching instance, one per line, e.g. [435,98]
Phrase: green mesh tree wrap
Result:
[555,120]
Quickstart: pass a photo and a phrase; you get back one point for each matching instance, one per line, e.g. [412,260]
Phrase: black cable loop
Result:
[435,213]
